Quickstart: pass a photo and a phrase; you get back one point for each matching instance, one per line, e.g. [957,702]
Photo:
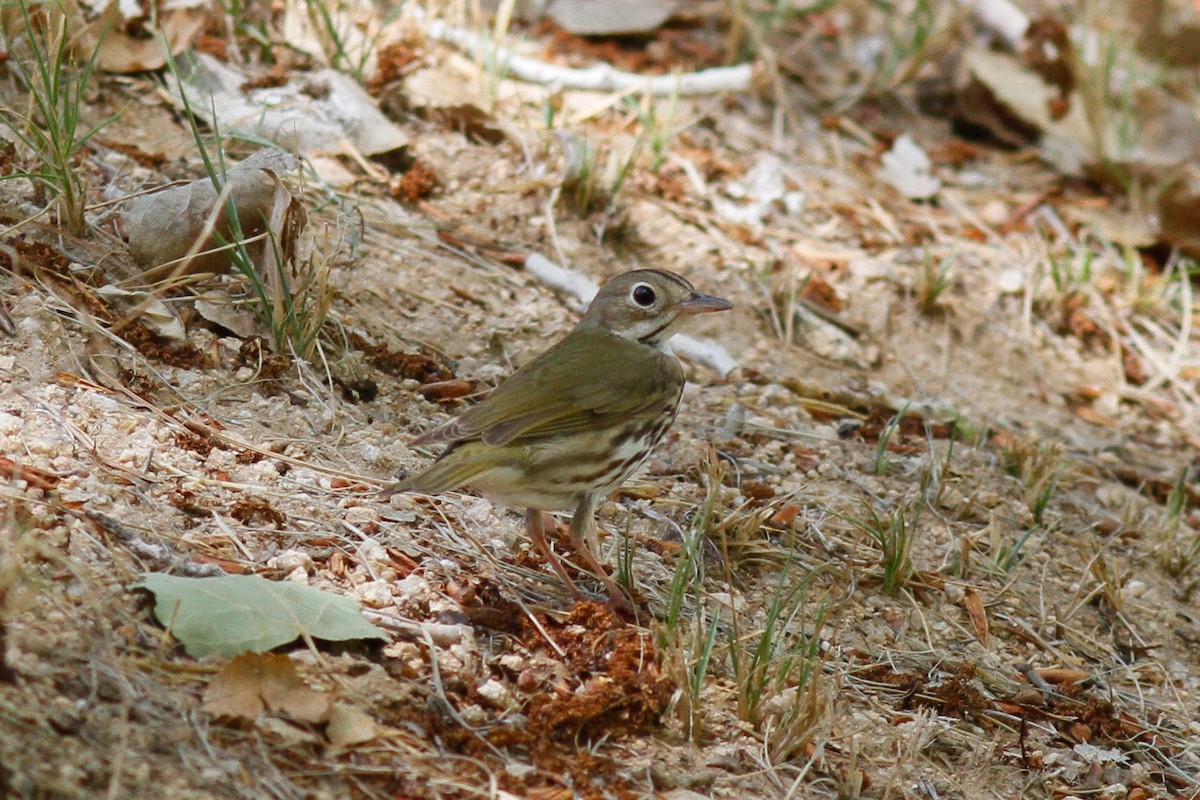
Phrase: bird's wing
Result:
[585,380]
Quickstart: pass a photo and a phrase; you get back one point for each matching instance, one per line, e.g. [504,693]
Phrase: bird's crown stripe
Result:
[671,276]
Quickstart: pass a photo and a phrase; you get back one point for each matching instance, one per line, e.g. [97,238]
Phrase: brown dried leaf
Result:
[1090,414]
[978,615]
[1059,675]
[38,478]
[349,726]
[256,682]
[441,391]
[136,45]
[1179,211]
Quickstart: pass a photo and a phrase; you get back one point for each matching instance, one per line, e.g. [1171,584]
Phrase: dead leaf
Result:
[253,683]
[314,113]
[1058,675]
[978,615]
[148,309]
[349,726]
[119,51]
[1179,211]
[1090,414]
[466,118]
[1167,33]
[1048,52]
[40,478]
[756,194]
[163,227]
[288,733]
[1123,227]
[220,308]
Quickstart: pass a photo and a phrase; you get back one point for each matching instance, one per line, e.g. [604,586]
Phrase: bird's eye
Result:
[643,295]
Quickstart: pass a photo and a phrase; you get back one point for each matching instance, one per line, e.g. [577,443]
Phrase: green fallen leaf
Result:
[238,614]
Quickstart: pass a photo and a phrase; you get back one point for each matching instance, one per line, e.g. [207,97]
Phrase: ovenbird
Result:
[570,426]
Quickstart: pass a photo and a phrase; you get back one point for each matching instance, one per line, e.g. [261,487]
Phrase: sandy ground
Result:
[1041,640]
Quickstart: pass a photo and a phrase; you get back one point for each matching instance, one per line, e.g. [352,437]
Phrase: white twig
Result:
[602,77]
[708,352]
[574,283]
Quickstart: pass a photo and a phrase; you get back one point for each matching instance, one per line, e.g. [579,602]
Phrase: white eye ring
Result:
[643,295]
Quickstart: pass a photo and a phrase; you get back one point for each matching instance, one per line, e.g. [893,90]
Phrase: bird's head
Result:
[647,305]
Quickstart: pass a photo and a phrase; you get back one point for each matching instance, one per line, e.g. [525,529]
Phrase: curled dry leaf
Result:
[119,51]
[42,479]
[218,308]
[119,35]
[1060,675]
[758,193]
[978,615]
[147,309]
[349,726]
[165,227]
[1037,96]
[254,683]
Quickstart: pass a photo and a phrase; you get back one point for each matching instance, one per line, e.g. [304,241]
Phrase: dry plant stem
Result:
[435,674]
[7,674]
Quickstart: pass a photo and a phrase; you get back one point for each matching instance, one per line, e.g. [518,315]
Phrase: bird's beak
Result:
[699,303]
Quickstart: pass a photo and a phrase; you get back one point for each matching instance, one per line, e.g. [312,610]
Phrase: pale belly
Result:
[555,475]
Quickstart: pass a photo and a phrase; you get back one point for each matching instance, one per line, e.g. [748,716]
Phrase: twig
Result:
[601,77]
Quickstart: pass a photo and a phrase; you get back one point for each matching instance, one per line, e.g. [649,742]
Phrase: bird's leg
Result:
[583,523]
[535,527]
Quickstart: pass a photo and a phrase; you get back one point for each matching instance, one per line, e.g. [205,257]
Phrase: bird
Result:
[569,427]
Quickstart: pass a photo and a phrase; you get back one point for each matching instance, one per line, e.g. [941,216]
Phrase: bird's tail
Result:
[453,469]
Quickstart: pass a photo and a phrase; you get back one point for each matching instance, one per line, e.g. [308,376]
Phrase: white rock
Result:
[1010,281]
[359,515]
[373,554]
[908,169]
[496,694]
[1134,588]
[298,575]
[412,589]
[374,594]
[994,212]
[481,510]
[290,560]
[97,402]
